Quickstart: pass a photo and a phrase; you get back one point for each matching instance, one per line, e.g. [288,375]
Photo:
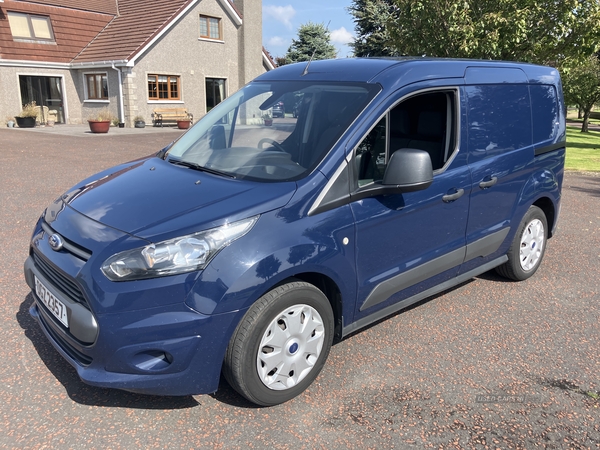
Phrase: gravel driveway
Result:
[489,364]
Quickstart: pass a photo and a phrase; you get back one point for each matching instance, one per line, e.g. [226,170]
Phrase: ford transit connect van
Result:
[245,248]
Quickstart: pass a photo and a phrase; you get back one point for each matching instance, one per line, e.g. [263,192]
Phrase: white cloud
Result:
[276,41]
[341,36]
[283,14]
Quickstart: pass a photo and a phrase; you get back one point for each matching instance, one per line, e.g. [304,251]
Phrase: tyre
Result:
[528,246]
[280,345]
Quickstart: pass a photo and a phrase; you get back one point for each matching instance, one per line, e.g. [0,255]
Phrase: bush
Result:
[29,110]
[103,115]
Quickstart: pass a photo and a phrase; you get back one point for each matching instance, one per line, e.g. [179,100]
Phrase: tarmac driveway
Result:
[489,364]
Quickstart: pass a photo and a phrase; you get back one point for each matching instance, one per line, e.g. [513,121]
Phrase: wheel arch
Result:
[330,289]
[549,210]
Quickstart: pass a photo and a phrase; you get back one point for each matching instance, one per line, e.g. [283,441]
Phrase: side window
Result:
[370,156]
[424,121]
[546,118]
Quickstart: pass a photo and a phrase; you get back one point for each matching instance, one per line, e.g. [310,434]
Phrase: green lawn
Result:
[583,150]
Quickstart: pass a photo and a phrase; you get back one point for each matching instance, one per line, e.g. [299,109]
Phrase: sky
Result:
[281,19]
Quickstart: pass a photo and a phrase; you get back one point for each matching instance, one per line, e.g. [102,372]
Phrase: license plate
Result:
[56,307]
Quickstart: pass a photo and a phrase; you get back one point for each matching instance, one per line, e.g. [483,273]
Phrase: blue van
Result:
[246,247]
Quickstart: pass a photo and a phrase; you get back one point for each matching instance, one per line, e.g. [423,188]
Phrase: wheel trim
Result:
[290,347]
[532,244]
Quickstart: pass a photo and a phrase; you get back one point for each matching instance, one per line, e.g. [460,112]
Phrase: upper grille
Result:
[71,247]
[60,280]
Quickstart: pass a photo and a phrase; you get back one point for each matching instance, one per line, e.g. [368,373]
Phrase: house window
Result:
[210,28]
[28,26]
[215,92]
[163,87]
[97,86]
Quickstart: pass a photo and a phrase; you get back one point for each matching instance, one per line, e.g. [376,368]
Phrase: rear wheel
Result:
[528,246]
[281,344]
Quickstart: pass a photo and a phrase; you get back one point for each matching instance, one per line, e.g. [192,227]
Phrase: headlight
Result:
[180,255]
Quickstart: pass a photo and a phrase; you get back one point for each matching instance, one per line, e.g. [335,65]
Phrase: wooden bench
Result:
[595,115]
[161,115]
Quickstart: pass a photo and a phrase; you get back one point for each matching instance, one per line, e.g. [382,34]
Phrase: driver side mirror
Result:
[409,170]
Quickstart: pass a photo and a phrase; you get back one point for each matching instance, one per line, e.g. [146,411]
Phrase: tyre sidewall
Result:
[254,389]
[514,254]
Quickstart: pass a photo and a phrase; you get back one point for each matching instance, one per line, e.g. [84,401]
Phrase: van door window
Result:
[424,121]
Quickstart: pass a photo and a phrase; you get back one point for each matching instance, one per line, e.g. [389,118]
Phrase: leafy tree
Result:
[541,31]
[372,35]
[312,37]
[581,86]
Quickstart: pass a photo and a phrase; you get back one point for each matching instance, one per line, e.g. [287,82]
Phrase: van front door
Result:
[407,243]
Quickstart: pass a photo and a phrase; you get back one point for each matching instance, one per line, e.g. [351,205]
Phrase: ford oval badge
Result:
[55,242]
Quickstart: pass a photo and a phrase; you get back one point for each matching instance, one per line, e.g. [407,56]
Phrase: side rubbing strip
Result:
[550,148]
[487,245]
[380,314]
[389,287]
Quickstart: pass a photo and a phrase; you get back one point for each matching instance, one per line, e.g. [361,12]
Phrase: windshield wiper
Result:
[196,166]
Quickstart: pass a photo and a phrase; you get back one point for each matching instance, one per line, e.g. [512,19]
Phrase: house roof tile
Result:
[100,6]
[138,22]
[73,30]
[89,31]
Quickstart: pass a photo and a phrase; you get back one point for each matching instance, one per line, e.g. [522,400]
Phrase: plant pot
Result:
[99,126]
[25,122]
[50,123]
[183,124]
[10,124]
[268,122]
[140,124]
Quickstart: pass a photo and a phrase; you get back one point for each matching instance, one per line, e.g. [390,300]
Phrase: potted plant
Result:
[183,124]
[139,122]
[268,119]
[28,116]
[100,121]
[10,121]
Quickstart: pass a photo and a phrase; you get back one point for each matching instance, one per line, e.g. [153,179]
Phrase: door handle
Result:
[488,182]
[451,197]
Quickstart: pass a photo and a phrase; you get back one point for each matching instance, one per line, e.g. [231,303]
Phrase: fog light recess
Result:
[152,360]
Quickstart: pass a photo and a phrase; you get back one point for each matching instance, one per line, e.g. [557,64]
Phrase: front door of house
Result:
[44,91]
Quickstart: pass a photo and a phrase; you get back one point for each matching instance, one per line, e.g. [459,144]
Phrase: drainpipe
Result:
[121,108]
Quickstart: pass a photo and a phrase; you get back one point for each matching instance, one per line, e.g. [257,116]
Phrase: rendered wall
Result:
[181,52]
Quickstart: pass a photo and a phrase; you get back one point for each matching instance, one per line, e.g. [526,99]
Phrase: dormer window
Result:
[30,27]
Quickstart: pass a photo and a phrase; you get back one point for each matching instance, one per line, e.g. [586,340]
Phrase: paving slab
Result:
[488,364]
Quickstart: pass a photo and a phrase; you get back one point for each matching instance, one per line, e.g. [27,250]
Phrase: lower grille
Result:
[75,354]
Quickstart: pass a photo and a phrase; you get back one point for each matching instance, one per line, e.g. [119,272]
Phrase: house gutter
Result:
[121,108]
[34,64]
[97,64]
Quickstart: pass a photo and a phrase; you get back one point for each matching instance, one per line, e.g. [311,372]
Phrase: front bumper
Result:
[165,350]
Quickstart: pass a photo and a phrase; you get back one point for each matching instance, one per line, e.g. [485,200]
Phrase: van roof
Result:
[383,70]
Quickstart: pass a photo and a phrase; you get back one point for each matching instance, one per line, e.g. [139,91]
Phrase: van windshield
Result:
[272,131]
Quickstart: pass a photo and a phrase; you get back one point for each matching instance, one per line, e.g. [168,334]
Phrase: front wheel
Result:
[280,345]
[528,246]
